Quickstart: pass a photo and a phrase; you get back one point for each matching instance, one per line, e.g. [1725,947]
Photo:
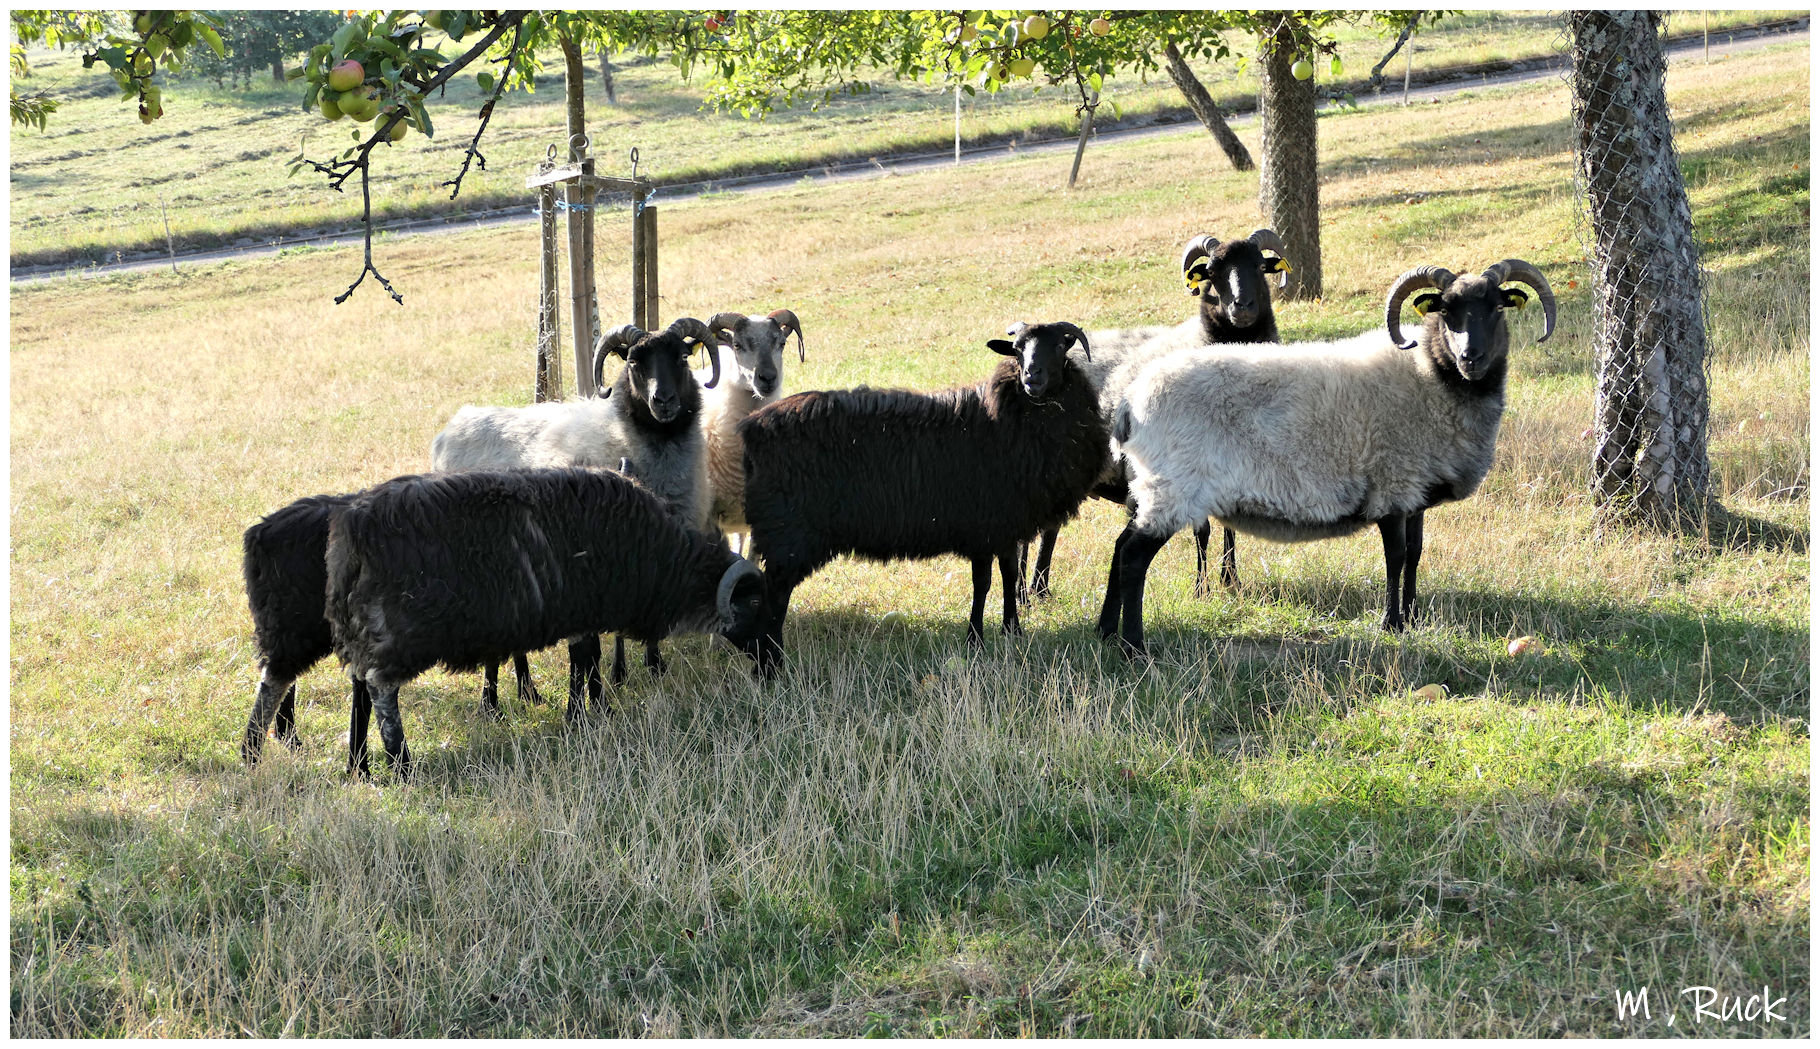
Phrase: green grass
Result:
[98,185]
[1261,832]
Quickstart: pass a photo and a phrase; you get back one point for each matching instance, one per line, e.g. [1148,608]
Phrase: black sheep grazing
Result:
[283,562]
[1229,280]
[462,568]
[889,474]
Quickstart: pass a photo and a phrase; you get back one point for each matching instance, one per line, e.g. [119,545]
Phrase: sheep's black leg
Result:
[1007,566]
[391,729]
[527,689]
[767,650]
[654,660]
[1039,578]
[1134,563]
[982,584]
[618,676]
[1109,608]
[1412,554]
[1229,560]
[1395,538]
[1202,533]
[266,703]
[584,677]
[360,713]
[489,693]
[285,727]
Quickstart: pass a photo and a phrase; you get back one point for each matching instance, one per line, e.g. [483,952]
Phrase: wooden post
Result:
[1081,146]
[647,228]
[549,358]
[169,244]
[957,122]
[1408,56]
[579,325]
[638,260]
[589,195]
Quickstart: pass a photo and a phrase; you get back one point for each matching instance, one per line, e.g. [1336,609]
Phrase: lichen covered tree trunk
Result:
[1288,187]
[1202,103]
[1649,333]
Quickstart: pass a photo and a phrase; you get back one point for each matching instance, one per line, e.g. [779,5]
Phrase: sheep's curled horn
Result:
[617,339]
[1267,240]
[690,328]
[788,322]
[1197,248]
[1441,278]
[723,597]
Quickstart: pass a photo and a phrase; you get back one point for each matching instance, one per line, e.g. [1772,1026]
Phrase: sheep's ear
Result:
[1003,346]
[1425,302]
[1276,265]
[1515,299]
[1194,275]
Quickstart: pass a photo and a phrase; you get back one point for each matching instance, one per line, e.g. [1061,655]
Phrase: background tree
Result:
[263,40]
[1649,333]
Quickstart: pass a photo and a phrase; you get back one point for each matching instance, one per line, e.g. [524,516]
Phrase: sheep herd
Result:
[562,521]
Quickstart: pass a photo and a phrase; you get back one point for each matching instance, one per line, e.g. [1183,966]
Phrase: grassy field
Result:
[98,183]
[1262,832]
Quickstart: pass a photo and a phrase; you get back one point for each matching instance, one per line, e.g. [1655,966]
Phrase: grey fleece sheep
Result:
[1312,440]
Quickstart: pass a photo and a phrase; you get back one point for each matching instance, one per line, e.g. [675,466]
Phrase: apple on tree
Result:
[346,76]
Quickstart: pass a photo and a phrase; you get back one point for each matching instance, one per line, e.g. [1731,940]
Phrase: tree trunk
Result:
[1288,190]
[1202,104]
[573,77]
[1649,335]
[606,78]
[278,70]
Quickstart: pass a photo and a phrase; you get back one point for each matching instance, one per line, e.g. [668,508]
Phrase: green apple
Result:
[1036,27]
[1302,70]
[1099,27]
[329,103]
[346,76]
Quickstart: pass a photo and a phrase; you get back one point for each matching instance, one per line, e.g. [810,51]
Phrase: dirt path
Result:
[1723,45]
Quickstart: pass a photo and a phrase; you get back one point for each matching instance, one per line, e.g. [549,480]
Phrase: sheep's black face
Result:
[1042,352]
[657,369]
[1233,281]
[1466,324]
[743,618]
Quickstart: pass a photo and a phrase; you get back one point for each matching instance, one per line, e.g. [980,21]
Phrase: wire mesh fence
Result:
[1649,305]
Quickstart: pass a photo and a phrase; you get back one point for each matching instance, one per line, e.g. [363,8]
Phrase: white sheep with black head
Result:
[1319,439]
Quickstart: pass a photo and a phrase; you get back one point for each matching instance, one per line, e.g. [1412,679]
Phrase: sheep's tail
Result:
[343,573]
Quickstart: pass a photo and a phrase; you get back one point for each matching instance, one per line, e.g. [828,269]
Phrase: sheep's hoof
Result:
[656,665]
[491,711]
[290,740]
[1133,651]
[1013,629]
[529,694]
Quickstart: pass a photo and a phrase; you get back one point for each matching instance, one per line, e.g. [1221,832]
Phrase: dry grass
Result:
[1263,832]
